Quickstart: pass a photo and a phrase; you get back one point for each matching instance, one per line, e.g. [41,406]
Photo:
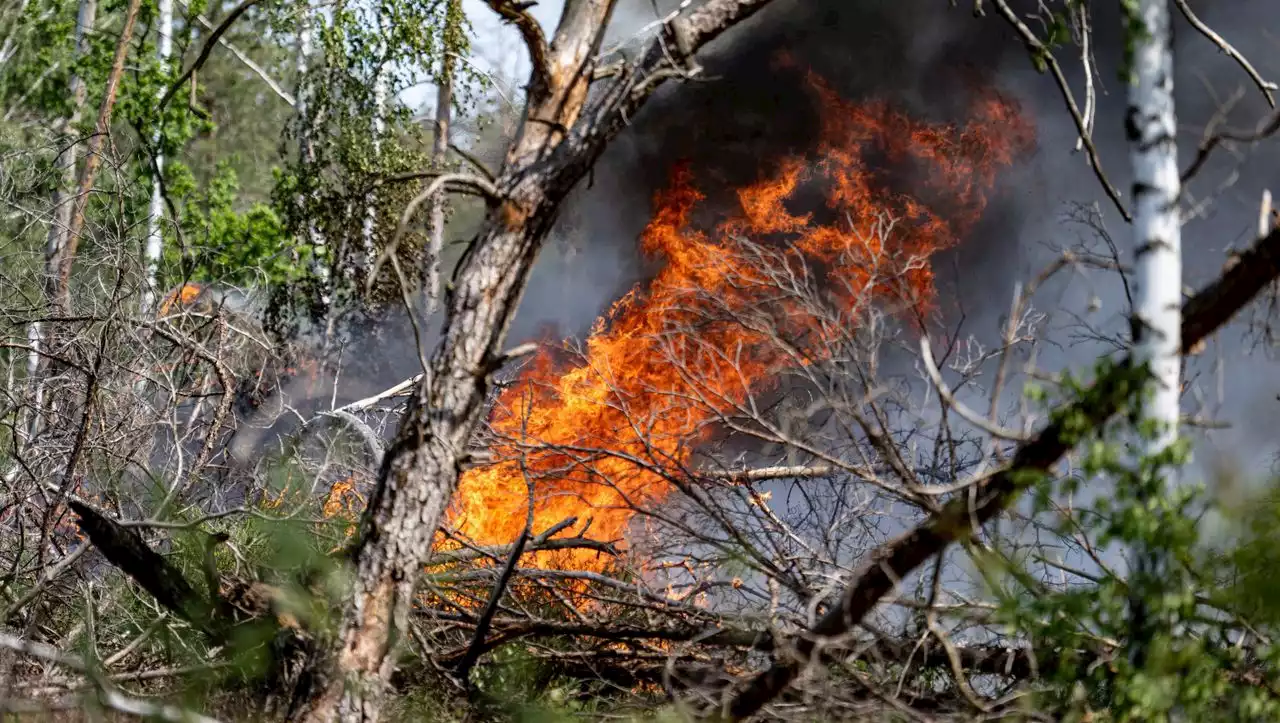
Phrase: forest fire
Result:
[608,430]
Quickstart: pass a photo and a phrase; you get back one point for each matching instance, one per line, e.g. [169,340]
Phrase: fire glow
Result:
[608,430]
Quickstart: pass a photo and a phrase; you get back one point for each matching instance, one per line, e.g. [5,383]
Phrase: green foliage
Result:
[1194,614]
[352,143]
[219,243]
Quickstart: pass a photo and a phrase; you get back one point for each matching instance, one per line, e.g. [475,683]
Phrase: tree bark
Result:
[435,217]
[155,239]
[306,153]
[93,159]
[56,239]
[560,137]
[1153,152]
[65,164]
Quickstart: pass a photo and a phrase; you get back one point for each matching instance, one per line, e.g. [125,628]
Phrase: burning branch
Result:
[1203,315]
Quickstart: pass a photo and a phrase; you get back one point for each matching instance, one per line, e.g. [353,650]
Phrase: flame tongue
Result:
[606,434]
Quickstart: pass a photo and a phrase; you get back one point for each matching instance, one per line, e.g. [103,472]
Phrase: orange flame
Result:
[183,295]
[609,432]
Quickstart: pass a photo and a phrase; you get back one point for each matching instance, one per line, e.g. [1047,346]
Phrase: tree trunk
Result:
[93,159]
[155,240]
[63,198]
[435,218]
[306,152]
[560,137]
[1153,152]
[65,164]
[368,248]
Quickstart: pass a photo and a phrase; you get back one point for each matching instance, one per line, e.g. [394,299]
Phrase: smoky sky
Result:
[747,111]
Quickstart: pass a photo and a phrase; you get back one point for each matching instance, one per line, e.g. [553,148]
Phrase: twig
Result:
[970,416]
[209,42]
[475,162]
[372,442]
[1038,50]
[107,695]
[248,62]
[761,474]
[1265,129]
[1203,315]
[464,180]
[1265,86]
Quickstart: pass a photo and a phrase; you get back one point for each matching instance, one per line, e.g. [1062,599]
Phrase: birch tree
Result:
[439,150]
[155,214]
[63,200]
[1151,128]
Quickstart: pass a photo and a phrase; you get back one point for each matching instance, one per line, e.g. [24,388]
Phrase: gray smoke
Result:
[746,113]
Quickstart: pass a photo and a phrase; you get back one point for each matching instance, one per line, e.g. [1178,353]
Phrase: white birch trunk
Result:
[381,89]
[64,194]
[305,48]
[155,240]
[1156,221]
[63,202]
[1152,133]
[435,219]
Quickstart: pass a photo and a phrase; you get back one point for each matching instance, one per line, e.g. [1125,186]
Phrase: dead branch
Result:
[970,416]
[107,695]
[1263,85]
[1266,129]
[126,550]
[1037,49]
[517,14]
[464,181]
[762,474]
[248,62]
[1204,314]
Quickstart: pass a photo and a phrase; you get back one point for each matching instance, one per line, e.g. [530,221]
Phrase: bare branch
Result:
[207,48]
[1037,49]
[249,63]
[762,474]
[1265,129]
[1263,85]
[1203,315]
[399,390]
[970,416]
[464,181]
[108,696]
